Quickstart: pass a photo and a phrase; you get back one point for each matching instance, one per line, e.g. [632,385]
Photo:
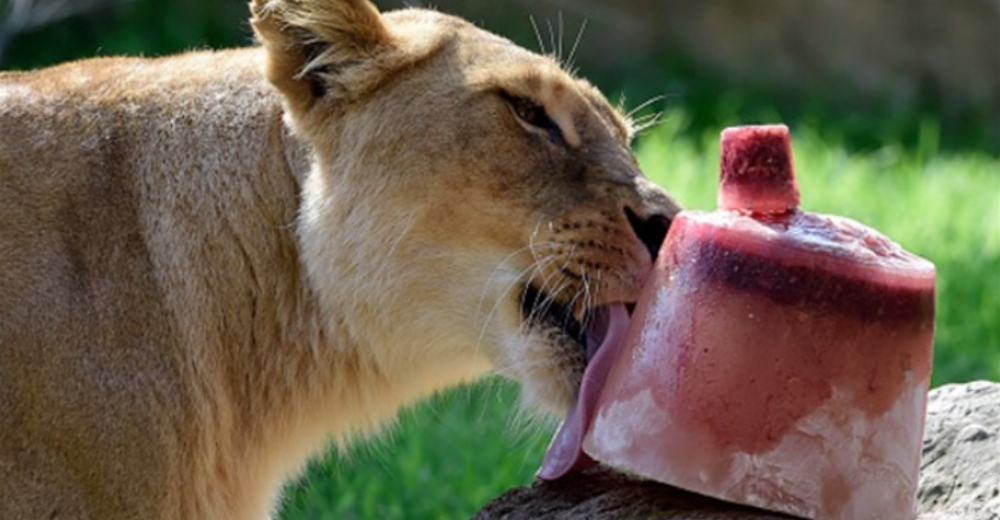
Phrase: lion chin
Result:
[213,263]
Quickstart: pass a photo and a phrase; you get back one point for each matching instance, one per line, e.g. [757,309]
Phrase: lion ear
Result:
[321,48]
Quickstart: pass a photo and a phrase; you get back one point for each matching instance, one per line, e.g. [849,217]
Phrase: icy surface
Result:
[837,463]
[815,240]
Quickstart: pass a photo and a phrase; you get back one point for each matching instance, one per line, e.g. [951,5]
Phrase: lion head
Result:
[470,204]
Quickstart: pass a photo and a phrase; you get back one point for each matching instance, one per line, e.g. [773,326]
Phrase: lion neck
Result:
[337,344]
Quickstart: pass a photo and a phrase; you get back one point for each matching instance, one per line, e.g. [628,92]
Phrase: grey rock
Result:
[960,476]
[960,469]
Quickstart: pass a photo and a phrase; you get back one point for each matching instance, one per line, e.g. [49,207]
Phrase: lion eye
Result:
[534,115]
[529,112]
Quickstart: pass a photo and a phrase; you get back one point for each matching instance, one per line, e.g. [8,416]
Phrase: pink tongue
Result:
[565,453]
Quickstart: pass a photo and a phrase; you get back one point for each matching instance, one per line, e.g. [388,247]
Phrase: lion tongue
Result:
[604,335]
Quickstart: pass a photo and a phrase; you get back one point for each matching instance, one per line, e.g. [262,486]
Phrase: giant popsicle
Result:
[777,358]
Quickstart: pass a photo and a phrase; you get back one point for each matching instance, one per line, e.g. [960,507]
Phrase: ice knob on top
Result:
[756,173]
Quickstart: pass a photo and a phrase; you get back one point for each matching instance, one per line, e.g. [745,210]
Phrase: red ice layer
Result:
[776,358]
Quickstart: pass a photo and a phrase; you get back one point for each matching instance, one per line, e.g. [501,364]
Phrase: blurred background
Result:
[894,107]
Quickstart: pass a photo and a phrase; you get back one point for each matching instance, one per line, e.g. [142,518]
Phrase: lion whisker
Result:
[540,308]
[559,55]
[646,122]
[643,105]
[576,44]
[538,35]
[552,39]
[515,283]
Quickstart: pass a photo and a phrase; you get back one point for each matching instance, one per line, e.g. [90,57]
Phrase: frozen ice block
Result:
[776,358]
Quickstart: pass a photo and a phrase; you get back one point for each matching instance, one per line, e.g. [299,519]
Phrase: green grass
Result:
[445,459]
[449,455]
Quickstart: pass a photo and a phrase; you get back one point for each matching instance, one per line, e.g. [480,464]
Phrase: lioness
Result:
[212,263]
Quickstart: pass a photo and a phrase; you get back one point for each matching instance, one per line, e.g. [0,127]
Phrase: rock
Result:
[960,470]
[960,476]
[603,494]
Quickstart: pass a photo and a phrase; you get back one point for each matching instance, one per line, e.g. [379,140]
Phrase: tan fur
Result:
[206,275]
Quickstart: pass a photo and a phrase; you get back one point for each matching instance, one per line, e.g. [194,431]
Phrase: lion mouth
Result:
[588,332]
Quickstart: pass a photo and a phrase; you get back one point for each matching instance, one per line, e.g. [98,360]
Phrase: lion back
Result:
[111,172]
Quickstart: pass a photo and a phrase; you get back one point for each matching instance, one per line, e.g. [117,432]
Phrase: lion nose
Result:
[651,230]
